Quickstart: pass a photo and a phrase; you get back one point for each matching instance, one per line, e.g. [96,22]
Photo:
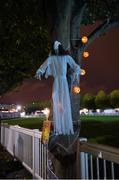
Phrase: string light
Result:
[85,54]
[76,89]
[83,72]
[84,39]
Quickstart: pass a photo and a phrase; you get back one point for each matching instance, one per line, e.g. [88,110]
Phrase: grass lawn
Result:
[99,118]
[100,129]
[31,123]
[10,169]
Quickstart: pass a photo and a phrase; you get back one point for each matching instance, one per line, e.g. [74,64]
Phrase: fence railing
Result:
[97,161]
[6,115]
[94,161]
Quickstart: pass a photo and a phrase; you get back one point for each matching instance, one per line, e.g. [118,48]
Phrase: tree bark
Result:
[61,29]
[62,32]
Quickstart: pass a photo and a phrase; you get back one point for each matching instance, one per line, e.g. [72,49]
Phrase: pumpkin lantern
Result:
[76,90]
[84,39]
[85,54]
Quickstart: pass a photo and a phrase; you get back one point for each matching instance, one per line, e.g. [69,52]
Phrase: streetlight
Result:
[46,111]
[18,108]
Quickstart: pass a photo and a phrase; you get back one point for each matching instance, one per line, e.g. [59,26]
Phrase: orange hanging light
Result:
[76,90]
[85,54]
[84,39]
[83,72]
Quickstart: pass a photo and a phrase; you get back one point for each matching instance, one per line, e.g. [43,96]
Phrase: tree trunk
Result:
[62,32]
[61,29]
[64,157]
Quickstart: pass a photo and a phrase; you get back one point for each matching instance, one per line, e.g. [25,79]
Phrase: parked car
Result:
[39,113]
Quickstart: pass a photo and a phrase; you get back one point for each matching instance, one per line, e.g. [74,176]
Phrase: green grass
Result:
[100,129]
[31,123]
[99,118]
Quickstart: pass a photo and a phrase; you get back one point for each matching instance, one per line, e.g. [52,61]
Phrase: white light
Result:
[22,114]
[18,108]
[98,110]
[46,111]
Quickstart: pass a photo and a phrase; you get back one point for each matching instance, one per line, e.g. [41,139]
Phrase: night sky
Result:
[102,71]
[102,66]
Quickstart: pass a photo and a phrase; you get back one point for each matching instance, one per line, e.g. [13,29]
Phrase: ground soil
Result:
[11,168]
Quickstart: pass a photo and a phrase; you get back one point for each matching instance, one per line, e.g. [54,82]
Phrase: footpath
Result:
[10,168]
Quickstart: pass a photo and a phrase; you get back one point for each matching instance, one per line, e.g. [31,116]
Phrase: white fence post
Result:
[84,163]
[0,130]
[33,154]
[36,152]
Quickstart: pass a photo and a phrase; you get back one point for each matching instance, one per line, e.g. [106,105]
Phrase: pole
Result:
[78,168]
[0,129]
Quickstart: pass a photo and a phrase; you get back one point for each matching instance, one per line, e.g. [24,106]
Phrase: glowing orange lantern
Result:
[83,72]
[85,54]
[76,89]
[84,39]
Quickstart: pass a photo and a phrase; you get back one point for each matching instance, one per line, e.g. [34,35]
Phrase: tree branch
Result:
[103,28]
[75,25]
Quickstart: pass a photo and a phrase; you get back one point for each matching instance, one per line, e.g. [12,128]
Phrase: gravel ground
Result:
[10,169]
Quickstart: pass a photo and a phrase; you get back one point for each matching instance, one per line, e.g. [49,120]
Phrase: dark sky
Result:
[102,71]
[102,66]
